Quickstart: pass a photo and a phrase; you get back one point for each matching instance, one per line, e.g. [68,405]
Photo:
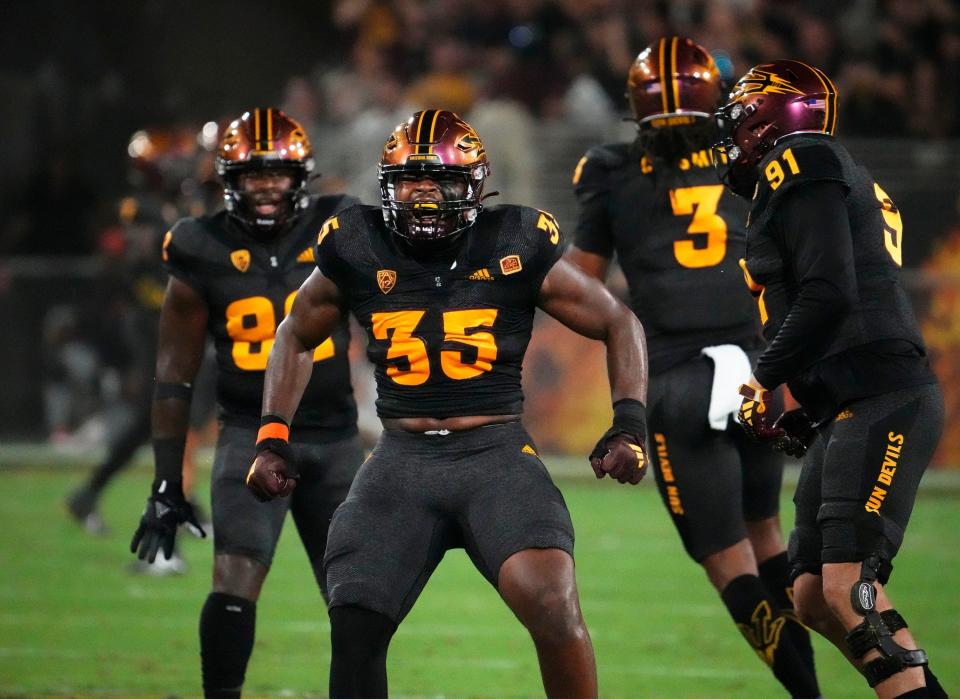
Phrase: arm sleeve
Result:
[814,232]
[592,233]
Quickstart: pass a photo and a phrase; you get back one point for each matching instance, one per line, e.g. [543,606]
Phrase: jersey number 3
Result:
[460,327]
[702,202]
[252,325]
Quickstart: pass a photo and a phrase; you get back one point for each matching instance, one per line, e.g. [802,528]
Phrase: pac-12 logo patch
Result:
[510,264]
[386,280]
[240,259]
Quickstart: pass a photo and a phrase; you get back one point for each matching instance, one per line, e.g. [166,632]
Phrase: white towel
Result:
[731,367]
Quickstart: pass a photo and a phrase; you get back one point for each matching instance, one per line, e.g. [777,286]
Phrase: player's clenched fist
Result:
[621,451]
[754,414]
[273,472]
[621,458]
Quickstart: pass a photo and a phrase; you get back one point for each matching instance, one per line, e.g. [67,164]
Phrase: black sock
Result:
[227,626]
[763,625]
[775,574]
[918,693]
[934,689]
[358,664]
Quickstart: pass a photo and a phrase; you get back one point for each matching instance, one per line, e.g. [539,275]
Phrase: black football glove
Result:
[755,414]
[166,509]
[799,432]
[620,456]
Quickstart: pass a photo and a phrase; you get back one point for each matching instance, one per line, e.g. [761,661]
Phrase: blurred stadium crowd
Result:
[117,108]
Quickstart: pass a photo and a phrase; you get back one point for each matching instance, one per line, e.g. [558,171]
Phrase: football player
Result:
[235,275]
[824,249]
[658,206]
[446,290]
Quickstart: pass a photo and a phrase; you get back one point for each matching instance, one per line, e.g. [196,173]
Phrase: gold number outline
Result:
[702,202]
[262,333]
[461,326]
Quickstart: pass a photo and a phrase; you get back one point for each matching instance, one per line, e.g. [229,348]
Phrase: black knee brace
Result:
[877,630]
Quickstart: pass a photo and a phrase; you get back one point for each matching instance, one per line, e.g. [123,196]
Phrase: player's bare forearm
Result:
[288,373]
[312,319]
[183,327]
[593,265]
[627,357]
[585,306]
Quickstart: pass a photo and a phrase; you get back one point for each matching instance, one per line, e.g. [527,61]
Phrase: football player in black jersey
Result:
[658,205]
[446,290]
[824,247]
[235,275]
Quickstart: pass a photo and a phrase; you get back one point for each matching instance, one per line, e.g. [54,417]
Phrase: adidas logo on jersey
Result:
[306,256]
[481,275]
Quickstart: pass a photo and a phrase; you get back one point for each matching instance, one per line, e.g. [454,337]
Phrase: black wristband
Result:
[168,460]
[630,417]
[169,389]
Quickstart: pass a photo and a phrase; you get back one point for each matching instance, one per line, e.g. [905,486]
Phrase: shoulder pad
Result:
[592,169]
[351,216]
[185,239]
[540,226]
[793,163]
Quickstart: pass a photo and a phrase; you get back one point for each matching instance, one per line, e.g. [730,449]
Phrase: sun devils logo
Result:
[763,633]
[386,280]
[240,259]
[766,82]
[471,141]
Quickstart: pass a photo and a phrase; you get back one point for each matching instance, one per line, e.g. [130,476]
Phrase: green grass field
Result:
[73,622]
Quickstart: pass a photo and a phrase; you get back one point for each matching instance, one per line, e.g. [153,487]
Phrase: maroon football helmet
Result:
[264,139]
[771,101]
[435,144]
[673,81]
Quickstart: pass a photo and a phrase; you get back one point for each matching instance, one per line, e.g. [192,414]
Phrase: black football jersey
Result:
[249,285]
[678,235]
[447,339]
[878,346]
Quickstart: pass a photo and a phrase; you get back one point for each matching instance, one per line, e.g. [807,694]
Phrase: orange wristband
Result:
[273,430]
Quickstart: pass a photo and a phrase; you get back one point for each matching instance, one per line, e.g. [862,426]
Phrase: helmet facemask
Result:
[742,141]
[460,189]
[243,204]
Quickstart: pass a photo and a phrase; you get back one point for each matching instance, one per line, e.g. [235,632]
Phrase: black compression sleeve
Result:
[814,230]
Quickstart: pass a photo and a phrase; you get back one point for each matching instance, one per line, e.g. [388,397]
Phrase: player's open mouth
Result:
[267,208]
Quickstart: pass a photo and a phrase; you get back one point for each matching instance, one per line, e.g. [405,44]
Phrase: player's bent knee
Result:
[876,631]
[238,575]
[809,604]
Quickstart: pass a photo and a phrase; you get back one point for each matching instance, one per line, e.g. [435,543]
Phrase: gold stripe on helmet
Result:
[416,136]
[674,71]
[269,129]
[834,93]
[826,99]
[256,129]
[433,126]
[663,79]
[421,149]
